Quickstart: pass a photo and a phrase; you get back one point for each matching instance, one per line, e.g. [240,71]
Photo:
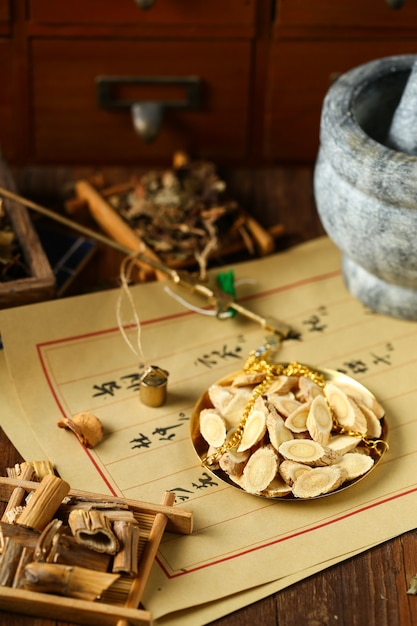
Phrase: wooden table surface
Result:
[367,590]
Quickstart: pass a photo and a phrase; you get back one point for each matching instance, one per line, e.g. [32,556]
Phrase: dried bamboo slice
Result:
[277,488]
[343,443]
[93,530]
[126,560]
[40,468]
[291,470]
[318,481]
[355,464]
[277,429]
[297,420]
[9,561]
[44,503]
[44,544]
[260,470]
[319,420]
[67,551]
[346,411]
[255,427]
[307,451]
[67,580]
[25,558]
[213,427]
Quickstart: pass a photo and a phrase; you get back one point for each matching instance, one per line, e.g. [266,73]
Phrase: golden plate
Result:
[201,446]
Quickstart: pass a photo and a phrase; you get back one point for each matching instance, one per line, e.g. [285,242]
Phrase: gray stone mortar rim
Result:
[354,155]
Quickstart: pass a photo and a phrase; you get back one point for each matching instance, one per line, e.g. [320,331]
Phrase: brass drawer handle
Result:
[147,115]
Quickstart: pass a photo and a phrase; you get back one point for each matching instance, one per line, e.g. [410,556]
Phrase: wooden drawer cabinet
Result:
[344,14]
[5,17]
[172,13]
[68,126]
[8,118]
[311,43]
[299,85]
[264,67]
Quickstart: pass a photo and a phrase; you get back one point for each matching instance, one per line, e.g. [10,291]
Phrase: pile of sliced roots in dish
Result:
[300,438]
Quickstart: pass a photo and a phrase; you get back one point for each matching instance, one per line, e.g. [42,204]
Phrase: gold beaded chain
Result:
[258,362]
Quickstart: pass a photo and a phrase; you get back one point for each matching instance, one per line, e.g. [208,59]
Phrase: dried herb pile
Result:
[183,213]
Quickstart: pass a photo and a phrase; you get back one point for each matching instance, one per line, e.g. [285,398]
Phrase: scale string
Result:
[126,267]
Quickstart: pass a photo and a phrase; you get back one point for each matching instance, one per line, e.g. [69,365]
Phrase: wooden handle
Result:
[116,227]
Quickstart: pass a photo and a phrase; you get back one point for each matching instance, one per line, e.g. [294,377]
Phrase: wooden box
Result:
[40,284]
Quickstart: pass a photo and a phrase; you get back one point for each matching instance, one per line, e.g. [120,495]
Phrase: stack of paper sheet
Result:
[68,356]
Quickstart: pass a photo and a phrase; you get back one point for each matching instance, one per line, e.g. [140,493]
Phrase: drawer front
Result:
[8,111]
[175,12]
[346,13]
[5,17]
[68,125]
[301,74]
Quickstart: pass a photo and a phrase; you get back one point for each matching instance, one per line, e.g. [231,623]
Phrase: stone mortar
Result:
[366,192]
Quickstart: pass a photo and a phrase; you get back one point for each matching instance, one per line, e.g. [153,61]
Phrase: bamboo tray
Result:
[118,606]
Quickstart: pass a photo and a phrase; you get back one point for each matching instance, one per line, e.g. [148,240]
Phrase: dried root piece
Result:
[234,410]
[355,464]
[373,424]
[260,470]
[219,396]
[255,427]
[307,451]
[308,389]
[213,427]
[283,384]
[343,443]
[319,421]
[361,396]
[346,411]
[302,419]
[85,426]
[291,470]
[297,420]
[233,462]
[277,429]
[93,530]
[285,406]
[277,489]
[318,481]
[244,380]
